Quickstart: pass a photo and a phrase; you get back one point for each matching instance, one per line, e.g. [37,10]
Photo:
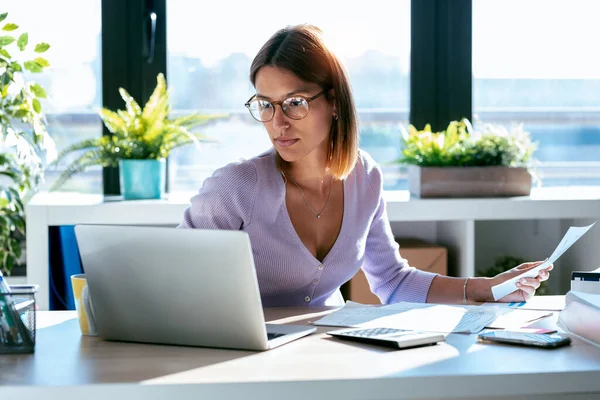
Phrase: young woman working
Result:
[312,205]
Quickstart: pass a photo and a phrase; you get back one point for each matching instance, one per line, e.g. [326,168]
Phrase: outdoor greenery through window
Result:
[73,80]
[535,62]
[208,70]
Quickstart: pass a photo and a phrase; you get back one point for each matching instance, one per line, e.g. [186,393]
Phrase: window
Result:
[208,66]
[73,79]
[534,62]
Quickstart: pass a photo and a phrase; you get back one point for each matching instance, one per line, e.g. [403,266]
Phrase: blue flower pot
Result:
[142,179]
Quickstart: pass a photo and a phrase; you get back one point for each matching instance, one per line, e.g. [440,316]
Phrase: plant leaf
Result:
[42,61]
[16,66]
[37,106]
[4,53]
[33,66]
[41,47]
[133,108]
[80,164]
[38,91]
[83,145]
[6,40]
[113,121]
[10,27]
[156,100]
[3,16]
[22,41]
[193,120]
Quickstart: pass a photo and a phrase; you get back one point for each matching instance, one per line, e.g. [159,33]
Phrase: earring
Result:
[335,117]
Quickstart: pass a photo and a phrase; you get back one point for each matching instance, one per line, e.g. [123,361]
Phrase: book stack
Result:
[581,316]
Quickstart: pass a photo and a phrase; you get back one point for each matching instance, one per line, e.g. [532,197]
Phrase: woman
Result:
[312,205]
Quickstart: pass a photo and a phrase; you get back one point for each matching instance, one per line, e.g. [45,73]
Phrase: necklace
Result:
[318,215]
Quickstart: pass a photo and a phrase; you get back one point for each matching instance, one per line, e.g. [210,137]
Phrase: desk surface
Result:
[66,365]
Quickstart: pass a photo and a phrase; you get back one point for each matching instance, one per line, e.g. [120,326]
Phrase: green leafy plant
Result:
[137,134]
[504,263]
[460,145]
[24,139]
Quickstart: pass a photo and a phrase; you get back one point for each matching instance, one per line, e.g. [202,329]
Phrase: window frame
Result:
[125,61]
[440,80]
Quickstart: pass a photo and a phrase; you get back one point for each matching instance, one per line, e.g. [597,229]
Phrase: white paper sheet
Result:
[548,303]
[509,286]
[413,316]
[517,319]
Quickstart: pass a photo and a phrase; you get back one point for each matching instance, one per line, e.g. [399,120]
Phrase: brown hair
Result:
[301,50]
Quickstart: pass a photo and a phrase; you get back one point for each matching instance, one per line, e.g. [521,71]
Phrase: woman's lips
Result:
[285,142]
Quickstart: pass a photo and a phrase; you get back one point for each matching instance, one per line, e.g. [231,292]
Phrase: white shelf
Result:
[450,222]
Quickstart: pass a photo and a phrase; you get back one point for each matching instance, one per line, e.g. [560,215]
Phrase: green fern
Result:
[137,133]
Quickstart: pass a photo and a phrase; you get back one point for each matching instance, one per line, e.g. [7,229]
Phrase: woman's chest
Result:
[318,226]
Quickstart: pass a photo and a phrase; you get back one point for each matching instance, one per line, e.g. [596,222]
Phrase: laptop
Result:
[188,287]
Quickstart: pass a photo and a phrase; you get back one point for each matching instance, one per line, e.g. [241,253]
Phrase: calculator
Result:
[389,337]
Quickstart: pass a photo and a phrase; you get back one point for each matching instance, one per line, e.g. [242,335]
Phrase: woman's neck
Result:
[310,174]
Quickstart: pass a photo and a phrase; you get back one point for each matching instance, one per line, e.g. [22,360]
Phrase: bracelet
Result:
[465,291]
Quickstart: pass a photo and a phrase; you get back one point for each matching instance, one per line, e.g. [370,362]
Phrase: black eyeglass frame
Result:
[280,104]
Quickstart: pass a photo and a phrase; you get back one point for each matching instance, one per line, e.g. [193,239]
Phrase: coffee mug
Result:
[83,304]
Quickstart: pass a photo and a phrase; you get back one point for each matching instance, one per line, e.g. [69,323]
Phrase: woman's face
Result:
[295,139]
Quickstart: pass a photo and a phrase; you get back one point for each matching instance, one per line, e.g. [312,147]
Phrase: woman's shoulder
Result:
[368,168]
[243,172]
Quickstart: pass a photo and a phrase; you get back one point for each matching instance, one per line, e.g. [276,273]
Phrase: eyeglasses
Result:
[295,107]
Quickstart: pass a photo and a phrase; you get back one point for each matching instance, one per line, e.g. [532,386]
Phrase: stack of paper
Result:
[414,316]
[581,316]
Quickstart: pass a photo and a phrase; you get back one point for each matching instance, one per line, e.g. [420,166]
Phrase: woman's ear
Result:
[331,94]
[331,98]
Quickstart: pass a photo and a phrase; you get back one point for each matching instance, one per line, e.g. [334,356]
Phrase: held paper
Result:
[572,235]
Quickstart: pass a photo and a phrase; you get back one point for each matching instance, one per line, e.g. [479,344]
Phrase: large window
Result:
[536,62]
[73,80]
[210,48]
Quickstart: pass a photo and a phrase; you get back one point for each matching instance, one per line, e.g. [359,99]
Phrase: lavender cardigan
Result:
[250,195]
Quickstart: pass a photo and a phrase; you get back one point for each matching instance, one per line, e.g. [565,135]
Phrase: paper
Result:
[580,318]
[509,286]
[548,303]
[517,319]
[589,299]
[413,316]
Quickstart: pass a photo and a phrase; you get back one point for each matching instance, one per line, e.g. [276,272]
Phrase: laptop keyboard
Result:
[271,336]
[372,332]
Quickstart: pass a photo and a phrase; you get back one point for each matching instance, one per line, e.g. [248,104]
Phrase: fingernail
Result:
[522,281]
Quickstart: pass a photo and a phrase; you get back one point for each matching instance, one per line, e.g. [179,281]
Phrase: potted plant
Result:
[460,162]
[24,140]
[141,140]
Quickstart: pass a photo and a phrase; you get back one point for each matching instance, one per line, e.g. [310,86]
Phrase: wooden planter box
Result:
[468,181]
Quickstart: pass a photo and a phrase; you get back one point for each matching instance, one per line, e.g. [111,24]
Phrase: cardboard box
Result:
[420,254]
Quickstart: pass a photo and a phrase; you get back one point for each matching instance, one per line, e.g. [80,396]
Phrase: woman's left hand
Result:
[526,287]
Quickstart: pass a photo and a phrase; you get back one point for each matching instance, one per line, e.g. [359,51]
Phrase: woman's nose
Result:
[279,119]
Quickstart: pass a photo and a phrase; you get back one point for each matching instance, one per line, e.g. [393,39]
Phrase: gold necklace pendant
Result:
[318,215]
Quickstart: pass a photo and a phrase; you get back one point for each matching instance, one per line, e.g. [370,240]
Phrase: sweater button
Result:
[307,299]
[320,267]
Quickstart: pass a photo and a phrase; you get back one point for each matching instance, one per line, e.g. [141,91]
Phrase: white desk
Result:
[449,222]
[67,366]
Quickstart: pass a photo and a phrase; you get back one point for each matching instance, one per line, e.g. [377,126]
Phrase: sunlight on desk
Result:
[45,320]
[318,353]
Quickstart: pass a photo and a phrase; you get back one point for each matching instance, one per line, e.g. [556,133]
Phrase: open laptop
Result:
[177,286]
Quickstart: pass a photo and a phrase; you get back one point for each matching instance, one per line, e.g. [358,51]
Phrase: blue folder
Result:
[64,262]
